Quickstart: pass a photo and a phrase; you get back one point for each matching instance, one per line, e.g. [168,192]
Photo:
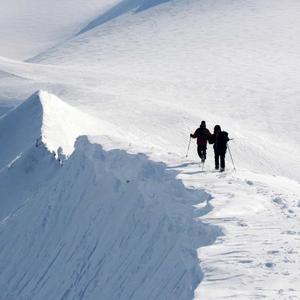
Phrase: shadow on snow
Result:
[121,8]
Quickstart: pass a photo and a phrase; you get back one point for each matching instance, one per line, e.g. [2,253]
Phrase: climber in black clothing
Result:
[202,135]
[219,138]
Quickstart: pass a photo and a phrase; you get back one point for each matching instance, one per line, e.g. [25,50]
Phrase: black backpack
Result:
[222,140]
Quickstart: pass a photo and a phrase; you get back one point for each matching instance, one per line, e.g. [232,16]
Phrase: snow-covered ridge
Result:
[107,225]
[62,123]
[45,118]
[114,225]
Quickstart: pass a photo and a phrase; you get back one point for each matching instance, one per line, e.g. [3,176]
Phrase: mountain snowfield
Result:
[97,197]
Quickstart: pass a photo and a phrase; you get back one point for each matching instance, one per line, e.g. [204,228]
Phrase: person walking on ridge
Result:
[202,135]
[219,138]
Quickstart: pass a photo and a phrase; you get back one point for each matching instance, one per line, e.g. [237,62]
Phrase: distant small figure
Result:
[219,138]
[60,156]
[202,134]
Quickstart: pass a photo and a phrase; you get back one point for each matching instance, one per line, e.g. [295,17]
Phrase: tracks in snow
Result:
[258,255]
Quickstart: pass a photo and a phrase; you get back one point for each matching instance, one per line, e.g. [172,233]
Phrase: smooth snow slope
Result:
[28,27]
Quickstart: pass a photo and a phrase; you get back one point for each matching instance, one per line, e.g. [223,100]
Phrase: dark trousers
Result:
[220,157]
[201,149]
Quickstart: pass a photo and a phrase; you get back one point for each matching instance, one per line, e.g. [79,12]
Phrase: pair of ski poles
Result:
[188,149]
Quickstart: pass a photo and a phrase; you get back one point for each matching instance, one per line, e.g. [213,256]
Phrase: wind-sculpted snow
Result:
[107,225]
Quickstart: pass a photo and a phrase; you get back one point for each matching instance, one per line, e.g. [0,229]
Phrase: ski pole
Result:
[187,153]
[231,158]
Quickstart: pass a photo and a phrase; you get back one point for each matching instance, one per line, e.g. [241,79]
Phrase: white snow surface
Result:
[97,197]
[28,27]
[44,118]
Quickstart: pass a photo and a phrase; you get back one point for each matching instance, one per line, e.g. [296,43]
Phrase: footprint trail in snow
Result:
[258,255]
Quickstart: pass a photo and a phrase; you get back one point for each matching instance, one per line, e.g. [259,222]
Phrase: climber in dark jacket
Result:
[202,134]
[219,138]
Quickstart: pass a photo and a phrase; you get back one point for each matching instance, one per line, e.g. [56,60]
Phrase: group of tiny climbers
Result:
[219,140]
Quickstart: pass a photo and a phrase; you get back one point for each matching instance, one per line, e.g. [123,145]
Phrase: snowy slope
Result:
[83,222]
[46,118]
[140,76]
[84,217]
[31,26]
[258,255]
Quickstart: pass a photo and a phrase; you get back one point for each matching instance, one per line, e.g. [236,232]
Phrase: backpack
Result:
[221,141]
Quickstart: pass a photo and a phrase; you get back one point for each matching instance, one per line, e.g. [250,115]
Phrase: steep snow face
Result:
[22,178]
[33,135]
[20,128]
[108,225]
[45,117]
[41,125]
